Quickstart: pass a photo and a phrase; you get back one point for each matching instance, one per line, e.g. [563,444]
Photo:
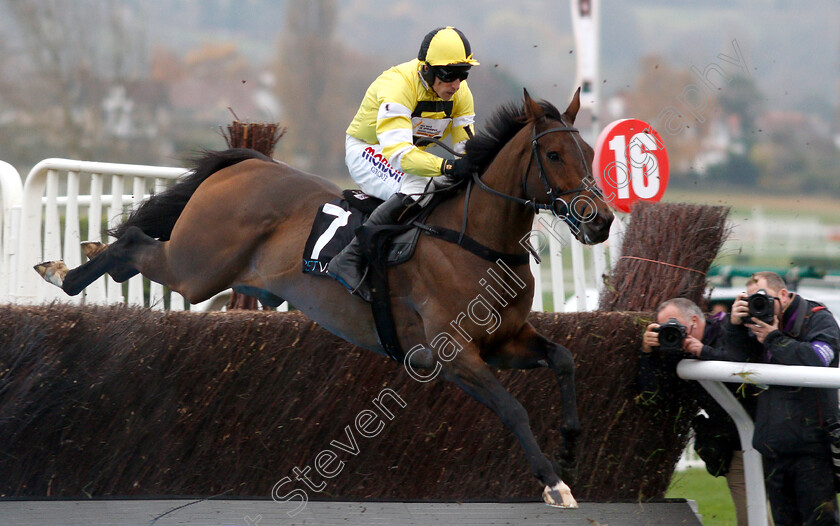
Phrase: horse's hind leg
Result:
[138,252]
[469,372]
[134,252]
[74,281]
[119,272]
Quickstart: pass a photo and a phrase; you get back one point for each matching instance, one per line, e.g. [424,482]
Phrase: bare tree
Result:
[654,99]
[61,59]
[308,71]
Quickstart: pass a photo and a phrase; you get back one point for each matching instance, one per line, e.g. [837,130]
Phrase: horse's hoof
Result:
[559,496]
[53,271]
[91,249]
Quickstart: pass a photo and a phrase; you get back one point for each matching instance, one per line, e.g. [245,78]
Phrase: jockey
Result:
[385,145]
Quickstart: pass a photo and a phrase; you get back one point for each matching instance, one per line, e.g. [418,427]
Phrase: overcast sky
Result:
[792,47]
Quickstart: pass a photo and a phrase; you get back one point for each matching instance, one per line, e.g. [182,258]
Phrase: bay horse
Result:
[240,220]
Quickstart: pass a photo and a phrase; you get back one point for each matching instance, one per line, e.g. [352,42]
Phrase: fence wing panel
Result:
[11,199]
[59,196]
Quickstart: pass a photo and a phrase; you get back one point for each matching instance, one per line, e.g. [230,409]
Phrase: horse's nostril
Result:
[604,220]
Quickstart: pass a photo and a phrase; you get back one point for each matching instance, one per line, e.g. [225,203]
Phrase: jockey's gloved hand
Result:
[459,169]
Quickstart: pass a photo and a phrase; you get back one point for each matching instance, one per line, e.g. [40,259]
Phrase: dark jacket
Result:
[715,436]
[789,420]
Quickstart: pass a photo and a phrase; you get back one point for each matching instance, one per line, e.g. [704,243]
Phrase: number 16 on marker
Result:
[631,163]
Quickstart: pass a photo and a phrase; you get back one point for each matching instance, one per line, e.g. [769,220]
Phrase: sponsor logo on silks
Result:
[381,167]
[313,265]
[425,128]
[824,351]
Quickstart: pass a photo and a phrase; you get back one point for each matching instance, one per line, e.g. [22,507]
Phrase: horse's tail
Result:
[156,216]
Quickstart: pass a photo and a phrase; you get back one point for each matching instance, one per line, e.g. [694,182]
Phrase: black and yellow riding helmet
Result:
[445,53]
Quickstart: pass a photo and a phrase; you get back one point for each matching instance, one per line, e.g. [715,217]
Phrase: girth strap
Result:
[473,246]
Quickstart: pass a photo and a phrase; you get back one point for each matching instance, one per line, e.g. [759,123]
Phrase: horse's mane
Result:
[500,128]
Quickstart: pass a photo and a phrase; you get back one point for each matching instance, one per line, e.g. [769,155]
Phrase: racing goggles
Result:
[451,73]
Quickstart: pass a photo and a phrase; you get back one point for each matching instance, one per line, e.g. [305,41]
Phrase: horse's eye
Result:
[553,156]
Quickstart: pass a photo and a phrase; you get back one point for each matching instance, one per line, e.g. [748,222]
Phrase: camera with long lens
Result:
[761,307]
[671,336]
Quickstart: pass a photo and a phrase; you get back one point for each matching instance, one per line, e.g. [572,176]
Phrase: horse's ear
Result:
[533,111]
[571,112]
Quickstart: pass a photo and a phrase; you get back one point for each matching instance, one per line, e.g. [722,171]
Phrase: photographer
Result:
[770,324]
[681,328]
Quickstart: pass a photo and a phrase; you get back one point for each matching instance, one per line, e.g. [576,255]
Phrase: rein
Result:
[466,242]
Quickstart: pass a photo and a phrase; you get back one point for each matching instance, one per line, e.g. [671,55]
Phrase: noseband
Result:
[554,194]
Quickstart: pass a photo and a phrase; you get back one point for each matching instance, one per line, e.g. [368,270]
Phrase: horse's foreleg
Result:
[469,372]
[562,362]
[531,349]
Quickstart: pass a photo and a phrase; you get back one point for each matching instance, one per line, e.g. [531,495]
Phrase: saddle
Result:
[338,221]
[335,225]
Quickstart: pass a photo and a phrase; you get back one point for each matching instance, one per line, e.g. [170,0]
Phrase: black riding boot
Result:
[350,266]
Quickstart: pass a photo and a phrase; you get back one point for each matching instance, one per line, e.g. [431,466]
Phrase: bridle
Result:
[554,194]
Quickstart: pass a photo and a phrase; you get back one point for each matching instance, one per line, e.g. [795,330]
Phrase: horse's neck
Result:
[498,222]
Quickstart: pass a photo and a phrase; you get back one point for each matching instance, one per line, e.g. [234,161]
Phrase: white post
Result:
[52,235]
[558,285]
[52,228]
[11,251]
[114,219]
[95,292]
[29,248]
[156,289]
[537,304]
[579,275]
[176,301]
[11,197]
[72,238]
[135,284]
[585,24]
[753,470]
[616,240]
[71,252]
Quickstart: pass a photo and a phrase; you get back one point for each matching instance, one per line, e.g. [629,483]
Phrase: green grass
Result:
[711,493]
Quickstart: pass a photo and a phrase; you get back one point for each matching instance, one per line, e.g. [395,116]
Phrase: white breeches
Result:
[375,175]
